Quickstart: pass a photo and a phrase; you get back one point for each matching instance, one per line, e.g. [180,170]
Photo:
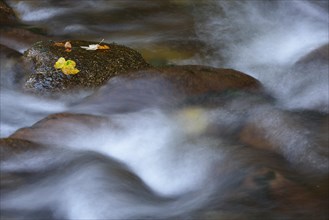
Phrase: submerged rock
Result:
[58,126]
[10,63]
[165,87]
[10,147]
[197,79]
[7,15]
[96,66]
[320,54]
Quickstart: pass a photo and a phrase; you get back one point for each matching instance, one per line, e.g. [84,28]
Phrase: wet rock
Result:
[19,38]
[196,79]
[15,34]
[290,193]
[59,126]
[309,90]
[165,87]
[320,54]
[7,15]
[96,66]
[11,146]
[11,68]
[7,52]
[300,137]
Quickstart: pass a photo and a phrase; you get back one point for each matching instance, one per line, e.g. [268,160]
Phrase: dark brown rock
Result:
[196,79]
[11,68]
[19,38]
[167,87]
[11,146]
[96,66]
[7,15]
[58,126]
[300,137]
[320,54]
[6,52]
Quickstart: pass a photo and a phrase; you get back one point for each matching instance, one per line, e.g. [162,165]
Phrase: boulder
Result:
[20,38]
[320,54]
[300,137]
[96,66]
[10,147]
[60,127]
[10,62]
[197,79]
[7,15]
[7,52]
[166,87]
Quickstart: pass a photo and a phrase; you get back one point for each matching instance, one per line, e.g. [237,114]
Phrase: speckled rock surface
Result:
[96,66]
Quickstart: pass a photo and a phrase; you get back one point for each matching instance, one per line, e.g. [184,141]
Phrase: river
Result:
[155,163]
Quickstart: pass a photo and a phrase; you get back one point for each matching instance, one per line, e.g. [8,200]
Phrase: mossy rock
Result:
[96,66]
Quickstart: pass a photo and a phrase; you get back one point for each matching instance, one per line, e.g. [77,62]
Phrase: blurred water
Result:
[155,158]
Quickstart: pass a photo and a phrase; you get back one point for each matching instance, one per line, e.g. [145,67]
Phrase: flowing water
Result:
[163,160]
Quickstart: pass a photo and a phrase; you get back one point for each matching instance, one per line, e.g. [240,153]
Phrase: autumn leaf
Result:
[103,47]
[59,44]
[68,46]
[194,120]
[96,46]
[67,66]
[60,63]
[91,47]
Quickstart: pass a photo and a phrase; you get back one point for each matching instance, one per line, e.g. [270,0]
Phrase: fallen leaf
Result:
[91,47]
[68,45]
[103,47]
[96,46]
[60,63]
[59,44]
[67,66]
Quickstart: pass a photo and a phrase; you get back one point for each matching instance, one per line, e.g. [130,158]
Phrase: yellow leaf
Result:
[194,120]
[60,63]
[67,66]
[70,63]
[70,70]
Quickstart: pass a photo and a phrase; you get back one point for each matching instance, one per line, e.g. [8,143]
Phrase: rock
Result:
[7,15]
[306,83]
[197,79]
[7,52]
[19,38]
[165,87]
[300,137]
[96,66]
[59,126]
[320,54]
[11,146]
[10,62]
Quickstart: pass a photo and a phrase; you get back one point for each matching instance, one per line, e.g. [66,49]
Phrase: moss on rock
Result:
[96,66]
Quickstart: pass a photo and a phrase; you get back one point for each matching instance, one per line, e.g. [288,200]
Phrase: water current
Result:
[186,162]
